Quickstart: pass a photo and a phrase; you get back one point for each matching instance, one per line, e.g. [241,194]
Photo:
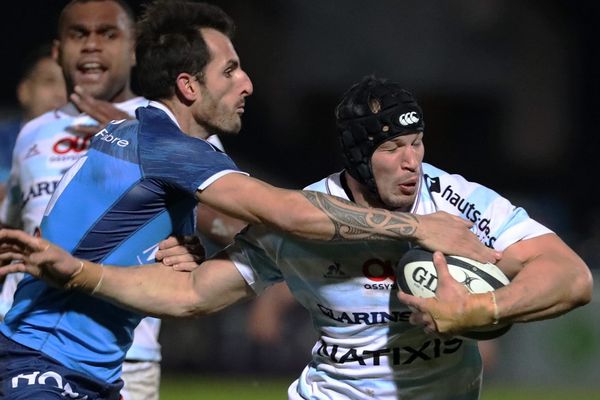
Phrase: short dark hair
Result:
[32,58]
[169,43]
[123,4]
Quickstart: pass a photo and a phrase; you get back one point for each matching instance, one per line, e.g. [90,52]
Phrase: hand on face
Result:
[100,110]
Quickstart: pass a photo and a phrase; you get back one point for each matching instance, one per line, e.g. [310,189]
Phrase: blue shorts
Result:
[29,374]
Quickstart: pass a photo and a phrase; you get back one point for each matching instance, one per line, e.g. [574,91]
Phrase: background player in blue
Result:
[367,346]
[141,180]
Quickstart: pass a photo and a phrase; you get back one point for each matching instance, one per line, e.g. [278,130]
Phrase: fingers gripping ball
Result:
[416,275]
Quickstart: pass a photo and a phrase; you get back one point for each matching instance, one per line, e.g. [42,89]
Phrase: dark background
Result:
[509,88]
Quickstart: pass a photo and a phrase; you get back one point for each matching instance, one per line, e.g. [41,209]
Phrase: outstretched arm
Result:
[151,289]
[548,279]
[315,215]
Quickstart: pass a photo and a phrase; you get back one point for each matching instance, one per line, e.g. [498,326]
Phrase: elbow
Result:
[582,288]
[194,306]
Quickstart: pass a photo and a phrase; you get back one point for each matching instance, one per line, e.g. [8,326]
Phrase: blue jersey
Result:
[135,186]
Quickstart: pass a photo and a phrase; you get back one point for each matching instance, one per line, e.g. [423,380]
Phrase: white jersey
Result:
[44,150]
[367,349]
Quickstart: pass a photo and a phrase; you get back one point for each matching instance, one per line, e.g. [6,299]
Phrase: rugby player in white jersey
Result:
[370,344]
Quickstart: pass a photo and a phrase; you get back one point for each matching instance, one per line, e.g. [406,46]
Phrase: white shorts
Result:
[142,380]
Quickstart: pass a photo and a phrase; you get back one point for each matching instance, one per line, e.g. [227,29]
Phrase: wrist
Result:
[482,310]
[87,278]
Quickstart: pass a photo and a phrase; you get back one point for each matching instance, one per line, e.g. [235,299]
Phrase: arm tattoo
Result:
[353,222]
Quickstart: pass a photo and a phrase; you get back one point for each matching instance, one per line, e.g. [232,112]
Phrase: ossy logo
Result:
[379,271]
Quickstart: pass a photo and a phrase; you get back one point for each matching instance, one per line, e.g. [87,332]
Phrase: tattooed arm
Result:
[314,215]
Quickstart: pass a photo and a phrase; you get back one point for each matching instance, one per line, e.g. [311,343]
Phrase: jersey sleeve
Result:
[254,253]
[190,163]
[496,221]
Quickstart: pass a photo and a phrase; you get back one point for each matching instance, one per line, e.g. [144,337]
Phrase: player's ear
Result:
[56,51]
[187,86]
[23,93]
[133,58]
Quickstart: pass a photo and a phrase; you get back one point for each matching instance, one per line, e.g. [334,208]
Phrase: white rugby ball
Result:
[416,275]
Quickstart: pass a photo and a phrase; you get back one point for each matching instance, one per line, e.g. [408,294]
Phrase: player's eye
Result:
[76,34]
[110,34]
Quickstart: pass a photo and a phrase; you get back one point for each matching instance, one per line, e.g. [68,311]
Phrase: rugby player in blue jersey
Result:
[140,182]
[370,345]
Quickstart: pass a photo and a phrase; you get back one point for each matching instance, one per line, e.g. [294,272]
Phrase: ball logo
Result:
[408,118]
[423,278]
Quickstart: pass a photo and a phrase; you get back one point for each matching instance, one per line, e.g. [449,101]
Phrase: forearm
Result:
[547,286]
[155,290]
[349,221]
[315,215]
[160,291]
[305,214]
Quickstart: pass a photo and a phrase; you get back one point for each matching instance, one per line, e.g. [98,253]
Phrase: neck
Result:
[123,95]
[185,118]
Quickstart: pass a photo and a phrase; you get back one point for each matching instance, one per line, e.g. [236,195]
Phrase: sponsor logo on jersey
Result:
[408,118]
[335,271]
[402,355]
[43,188]
[367,318]
[32,151]
[433,184]
[48,378]
[381,272]
[71,144]
[148,255]
[465,207]
[105,136]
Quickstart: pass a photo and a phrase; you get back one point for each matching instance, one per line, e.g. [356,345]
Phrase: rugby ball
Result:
[416,275]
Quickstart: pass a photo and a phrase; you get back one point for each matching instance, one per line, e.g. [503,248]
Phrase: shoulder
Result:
[330,185]
[43,126]
[133,104]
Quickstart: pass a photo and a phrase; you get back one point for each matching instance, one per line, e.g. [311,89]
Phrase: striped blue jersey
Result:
[135,186]
[366,348]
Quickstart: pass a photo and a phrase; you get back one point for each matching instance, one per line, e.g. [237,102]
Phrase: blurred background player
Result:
[95,48]
[41,88]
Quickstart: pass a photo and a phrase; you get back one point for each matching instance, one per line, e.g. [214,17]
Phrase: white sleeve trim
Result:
[218,175]
[242,264]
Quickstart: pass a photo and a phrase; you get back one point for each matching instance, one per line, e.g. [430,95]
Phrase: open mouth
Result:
[408,187]
[90,71]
